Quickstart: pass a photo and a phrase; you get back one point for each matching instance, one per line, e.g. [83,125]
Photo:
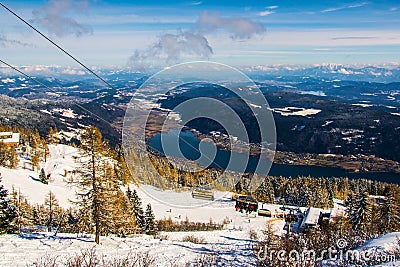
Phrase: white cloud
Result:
[344,7]
[52,16]
[172,47]
[332,9]
[6,42]
[70,71]
[266,13]
[358,5]
[238,28]
[193,42]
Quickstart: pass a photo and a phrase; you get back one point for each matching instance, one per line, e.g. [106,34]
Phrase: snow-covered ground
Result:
[381,249]
[27,182]
[231,245]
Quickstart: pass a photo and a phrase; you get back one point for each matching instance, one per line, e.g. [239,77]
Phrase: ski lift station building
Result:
[9,138]
[310,219]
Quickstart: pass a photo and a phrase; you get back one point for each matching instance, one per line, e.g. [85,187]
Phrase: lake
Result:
[189,148]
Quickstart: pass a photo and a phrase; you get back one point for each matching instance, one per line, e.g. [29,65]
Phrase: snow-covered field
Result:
[232,245]
[27,181]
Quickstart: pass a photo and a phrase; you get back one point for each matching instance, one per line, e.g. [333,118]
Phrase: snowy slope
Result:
[386,242]
[23,250]
[28,183]
[232,245]
[62,158]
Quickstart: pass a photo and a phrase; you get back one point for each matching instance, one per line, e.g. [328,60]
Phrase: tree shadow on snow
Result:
[32,236]
[35,179]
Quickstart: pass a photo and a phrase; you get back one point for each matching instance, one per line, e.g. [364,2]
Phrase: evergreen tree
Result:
[43,177]
[125,216]
[136,206]
[13,157]
[304,194]
[119,217]
[150,225]
[391,212]
[265,192]
[39,216]
[331,196]
[7,211]
[3,154]
[360,211]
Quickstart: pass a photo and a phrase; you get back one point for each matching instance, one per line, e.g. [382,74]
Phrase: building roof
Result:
[312,216]
[14,137]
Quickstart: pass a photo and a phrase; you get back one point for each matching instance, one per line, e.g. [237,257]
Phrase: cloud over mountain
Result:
[193,42]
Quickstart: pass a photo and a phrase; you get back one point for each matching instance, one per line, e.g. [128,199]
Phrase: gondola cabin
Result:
[246,203]
[202,192]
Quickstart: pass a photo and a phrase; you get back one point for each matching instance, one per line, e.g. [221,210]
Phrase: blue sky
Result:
[147,33]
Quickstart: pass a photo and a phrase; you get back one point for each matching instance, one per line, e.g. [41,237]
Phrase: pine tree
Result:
[150,225]
[391,212]
[7,211]
[43,177]
[304,194]
[13,157]
[3,154]
[92,181]
[119,217]
[136,206]
[360,211]
[39,215]
[331,196]
[266,192]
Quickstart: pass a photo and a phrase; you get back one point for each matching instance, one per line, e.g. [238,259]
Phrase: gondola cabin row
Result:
[246,203]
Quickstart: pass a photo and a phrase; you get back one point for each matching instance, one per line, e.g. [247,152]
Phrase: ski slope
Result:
[231,245]
[27,182]
[62,158]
